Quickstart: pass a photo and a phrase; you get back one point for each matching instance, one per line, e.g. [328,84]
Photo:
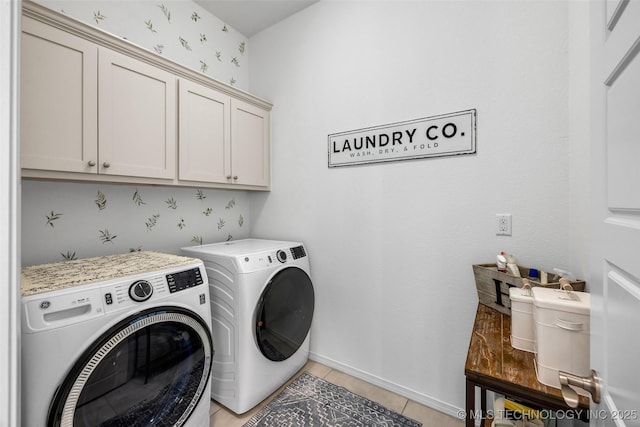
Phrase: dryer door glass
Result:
[150,369]
[284,313]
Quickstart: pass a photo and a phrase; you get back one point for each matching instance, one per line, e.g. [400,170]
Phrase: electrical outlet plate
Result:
[503,225]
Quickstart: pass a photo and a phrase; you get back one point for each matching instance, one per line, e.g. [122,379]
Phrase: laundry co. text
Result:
[445,135]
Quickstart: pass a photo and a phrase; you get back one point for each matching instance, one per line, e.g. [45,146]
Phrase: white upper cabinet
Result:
[58,115]
[122,123]
[137,118]
[249,144]
[222,139]
[95,107]
[205,135]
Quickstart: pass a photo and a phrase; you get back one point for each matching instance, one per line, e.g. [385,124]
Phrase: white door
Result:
[615,240]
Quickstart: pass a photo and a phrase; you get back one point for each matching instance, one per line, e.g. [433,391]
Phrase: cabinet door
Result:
[204,142]
[58,118]
[249,144]
[137,116]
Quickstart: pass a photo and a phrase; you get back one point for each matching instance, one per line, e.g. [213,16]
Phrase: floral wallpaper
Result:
[63,221]
[180,30]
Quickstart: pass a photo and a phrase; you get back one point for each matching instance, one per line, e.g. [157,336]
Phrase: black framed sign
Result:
[436,136]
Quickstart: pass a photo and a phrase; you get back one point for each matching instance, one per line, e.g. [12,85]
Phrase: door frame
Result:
[9,214]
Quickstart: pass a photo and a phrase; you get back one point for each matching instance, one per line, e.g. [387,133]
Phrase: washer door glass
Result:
[150,369]
[284,313]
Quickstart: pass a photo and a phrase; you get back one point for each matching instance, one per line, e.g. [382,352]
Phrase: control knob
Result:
[140,290]
[282,256]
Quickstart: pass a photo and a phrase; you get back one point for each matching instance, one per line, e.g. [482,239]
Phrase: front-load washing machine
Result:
[121,340]
[262,303]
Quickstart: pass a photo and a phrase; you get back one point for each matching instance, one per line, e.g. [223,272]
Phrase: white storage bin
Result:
[522,325]
[562,334]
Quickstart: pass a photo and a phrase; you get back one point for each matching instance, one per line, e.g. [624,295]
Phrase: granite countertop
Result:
[59,275]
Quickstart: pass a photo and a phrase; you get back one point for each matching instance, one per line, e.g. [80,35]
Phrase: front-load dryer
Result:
[262,303]
[121,340]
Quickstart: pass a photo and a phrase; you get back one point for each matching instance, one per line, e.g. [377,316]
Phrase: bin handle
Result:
[527,287]
[568,325]
[565,285]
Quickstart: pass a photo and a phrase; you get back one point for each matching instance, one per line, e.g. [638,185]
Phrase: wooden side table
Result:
[493,364]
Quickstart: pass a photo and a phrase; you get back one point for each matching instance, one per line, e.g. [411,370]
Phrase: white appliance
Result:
[115,340]
[262,303]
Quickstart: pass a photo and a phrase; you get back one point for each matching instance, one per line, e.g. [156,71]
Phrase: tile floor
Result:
[221,417]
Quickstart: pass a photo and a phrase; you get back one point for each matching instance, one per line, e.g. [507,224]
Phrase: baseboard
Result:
[421,398]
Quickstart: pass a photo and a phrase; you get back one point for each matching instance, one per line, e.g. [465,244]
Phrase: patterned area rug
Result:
[312,402]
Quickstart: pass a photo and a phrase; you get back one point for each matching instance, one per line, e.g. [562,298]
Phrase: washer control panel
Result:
[298,252]
[257,261]
[80,303]
[184,280]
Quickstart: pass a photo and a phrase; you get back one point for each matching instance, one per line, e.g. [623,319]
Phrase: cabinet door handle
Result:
[235,178]
[106,165]
[91,163]
[228,176]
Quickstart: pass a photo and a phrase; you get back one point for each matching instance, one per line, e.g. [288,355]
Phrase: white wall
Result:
[392,245]
[579,135]
[580,144]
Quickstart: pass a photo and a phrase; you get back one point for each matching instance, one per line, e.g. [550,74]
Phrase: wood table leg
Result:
[470,402]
